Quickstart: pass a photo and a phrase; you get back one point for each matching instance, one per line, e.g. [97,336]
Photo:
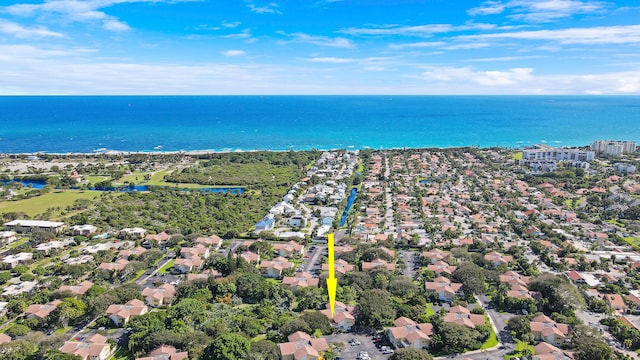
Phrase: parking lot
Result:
[350,352]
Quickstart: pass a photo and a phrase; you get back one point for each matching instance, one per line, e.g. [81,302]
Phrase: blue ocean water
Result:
[60,124]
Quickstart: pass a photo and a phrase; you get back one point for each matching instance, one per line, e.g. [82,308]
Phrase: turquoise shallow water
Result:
[228,123]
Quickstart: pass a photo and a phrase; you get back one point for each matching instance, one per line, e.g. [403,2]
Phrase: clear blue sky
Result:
[319,47]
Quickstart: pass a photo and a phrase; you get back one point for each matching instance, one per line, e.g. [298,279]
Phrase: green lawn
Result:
[520,346]
[632,241]
[97,178]
[62,330]
[38,205]
[430,311]
[517,156]
[493,339]
[166,267]
[122,354]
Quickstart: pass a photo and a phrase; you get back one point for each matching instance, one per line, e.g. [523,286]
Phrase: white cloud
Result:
[270,8]
[539,10]
[486,78]
[231,25]
[416,45]
[503,58]
[426,30]
[468,80]
[244,34]
[233,52]
[21,32]
[319,40]
[595,35]
[331,60]
[115,25]
[77,11]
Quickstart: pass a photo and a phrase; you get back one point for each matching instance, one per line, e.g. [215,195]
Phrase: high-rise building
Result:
[613,147]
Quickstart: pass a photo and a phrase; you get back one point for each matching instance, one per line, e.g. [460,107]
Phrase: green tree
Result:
[317,321]
[70,310]
[4,277]
[18,350]
[411,354]
[268,350]
[295,325]
[376,309]
[227,347]
[471,277]
[17,330]
[188,310]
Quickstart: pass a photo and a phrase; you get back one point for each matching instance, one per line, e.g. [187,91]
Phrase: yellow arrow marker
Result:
[332,282]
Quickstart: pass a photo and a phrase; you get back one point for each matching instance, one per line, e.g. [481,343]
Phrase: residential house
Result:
[7,237]
[496,259]
[302,346]
[300,279]
[188,265]
[406,333]
[166,352]
[343,318]
[341,267]
[367,266]
[545,329]
[118,265]
[133,232]
[512,278]
[199,250]
[444,288]
[160,296]
[546,351]
[442,267]
[94,347]
[213,241]
[250,257]
[159,238]
[121,314]
[41,311]
[11,261]
[462,316]
[204,275]
[275,267]
[136,251]
[435,255]
[616,302]
[29,226]
[79,289]
[265,224]
[288,249]
[83,230]
[4,338]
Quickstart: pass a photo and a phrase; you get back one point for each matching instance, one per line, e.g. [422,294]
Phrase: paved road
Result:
[143,279]
[408,257]
[390,226]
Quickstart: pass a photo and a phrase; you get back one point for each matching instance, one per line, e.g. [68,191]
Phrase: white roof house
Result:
[13,260]
[26,226]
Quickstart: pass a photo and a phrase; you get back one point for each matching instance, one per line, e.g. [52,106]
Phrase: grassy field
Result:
[39,204]
[517,156]
[157,179]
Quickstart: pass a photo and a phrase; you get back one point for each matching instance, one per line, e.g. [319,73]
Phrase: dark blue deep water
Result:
[60,124]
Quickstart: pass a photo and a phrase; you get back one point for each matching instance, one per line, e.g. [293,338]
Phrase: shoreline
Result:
[225,151]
